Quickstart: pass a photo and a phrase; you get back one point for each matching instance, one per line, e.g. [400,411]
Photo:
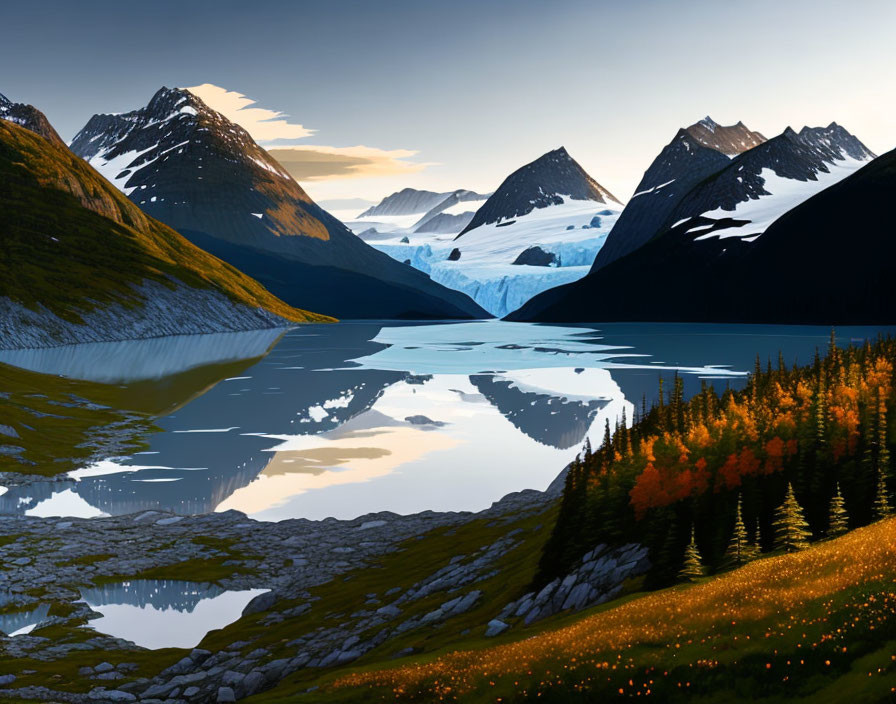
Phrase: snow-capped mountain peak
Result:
[126,147]
[761,184]
[552,179]
[709,123]
[694,154]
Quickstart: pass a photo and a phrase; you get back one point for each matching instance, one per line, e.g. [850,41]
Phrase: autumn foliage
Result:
[686,463]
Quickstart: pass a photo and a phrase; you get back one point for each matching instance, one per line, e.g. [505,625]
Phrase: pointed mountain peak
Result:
[552,179]
[28,117]
[170,100]
[709,123]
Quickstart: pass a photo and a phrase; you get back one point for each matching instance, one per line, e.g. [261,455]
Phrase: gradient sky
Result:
[459,94]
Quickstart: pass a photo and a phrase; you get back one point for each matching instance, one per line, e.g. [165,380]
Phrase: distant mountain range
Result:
[793,230]
[203,175]
[452,214]
[411,211]
[82,263]
[407,201]
[716,214]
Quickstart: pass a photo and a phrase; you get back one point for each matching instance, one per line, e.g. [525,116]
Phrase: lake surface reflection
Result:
[158,613]
[346,419]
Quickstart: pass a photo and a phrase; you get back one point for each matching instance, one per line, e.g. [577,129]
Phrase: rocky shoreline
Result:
[288,558]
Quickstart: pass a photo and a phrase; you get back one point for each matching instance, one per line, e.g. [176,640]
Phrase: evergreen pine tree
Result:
[738,552]
[661,406]
[839,519]
[606,447]
[881,507]
[883,451]
[754,549]
[820,412]
[692,568]
[791,530]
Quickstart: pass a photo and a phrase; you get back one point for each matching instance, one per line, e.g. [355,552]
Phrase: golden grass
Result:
[751,610]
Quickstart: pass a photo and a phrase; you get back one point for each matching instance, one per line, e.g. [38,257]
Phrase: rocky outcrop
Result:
[600,578]
[536,256]
[178,310]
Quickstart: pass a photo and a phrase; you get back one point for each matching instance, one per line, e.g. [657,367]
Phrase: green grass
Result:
[69,241]
[85,560]
[416,559]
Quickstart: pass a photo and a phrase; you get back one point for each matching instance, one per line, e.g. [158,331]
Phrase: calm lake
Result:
[347,419]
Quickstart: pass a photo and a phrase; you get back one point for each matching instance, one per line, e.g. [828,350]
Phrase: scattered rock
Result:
[495,627]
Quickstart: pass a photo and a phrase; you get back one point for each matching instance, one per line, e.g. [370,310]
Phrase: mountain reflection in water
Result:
[346,419]
[157,613]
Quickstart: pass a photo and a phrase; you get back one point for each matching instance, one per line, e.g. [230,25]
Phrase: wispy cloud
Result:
[305,162]
[315,163]
[261,123]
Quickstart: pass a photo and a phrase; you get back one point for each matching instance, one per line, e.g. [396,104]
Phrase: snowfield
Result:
[573,231]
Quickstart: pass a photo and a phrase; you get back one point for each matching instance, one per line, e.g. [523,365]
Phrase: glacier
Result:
[573,231]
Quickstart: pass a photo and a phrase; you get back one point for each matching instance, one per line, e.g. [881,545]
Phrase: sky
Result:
[369,97]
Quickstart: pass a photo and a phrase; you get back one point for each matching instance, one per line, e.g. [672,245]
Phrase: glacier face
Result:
[573,231]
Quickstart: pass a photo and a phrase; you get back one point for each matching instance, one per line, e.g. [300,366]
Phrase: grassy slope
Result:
[63,423]
[416,560]
[69,240]
[819,624]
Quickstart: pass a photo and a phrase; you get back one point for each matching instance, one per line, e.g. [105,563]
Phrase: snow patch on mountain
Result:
[116,169]
[461,207]
[784,194]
